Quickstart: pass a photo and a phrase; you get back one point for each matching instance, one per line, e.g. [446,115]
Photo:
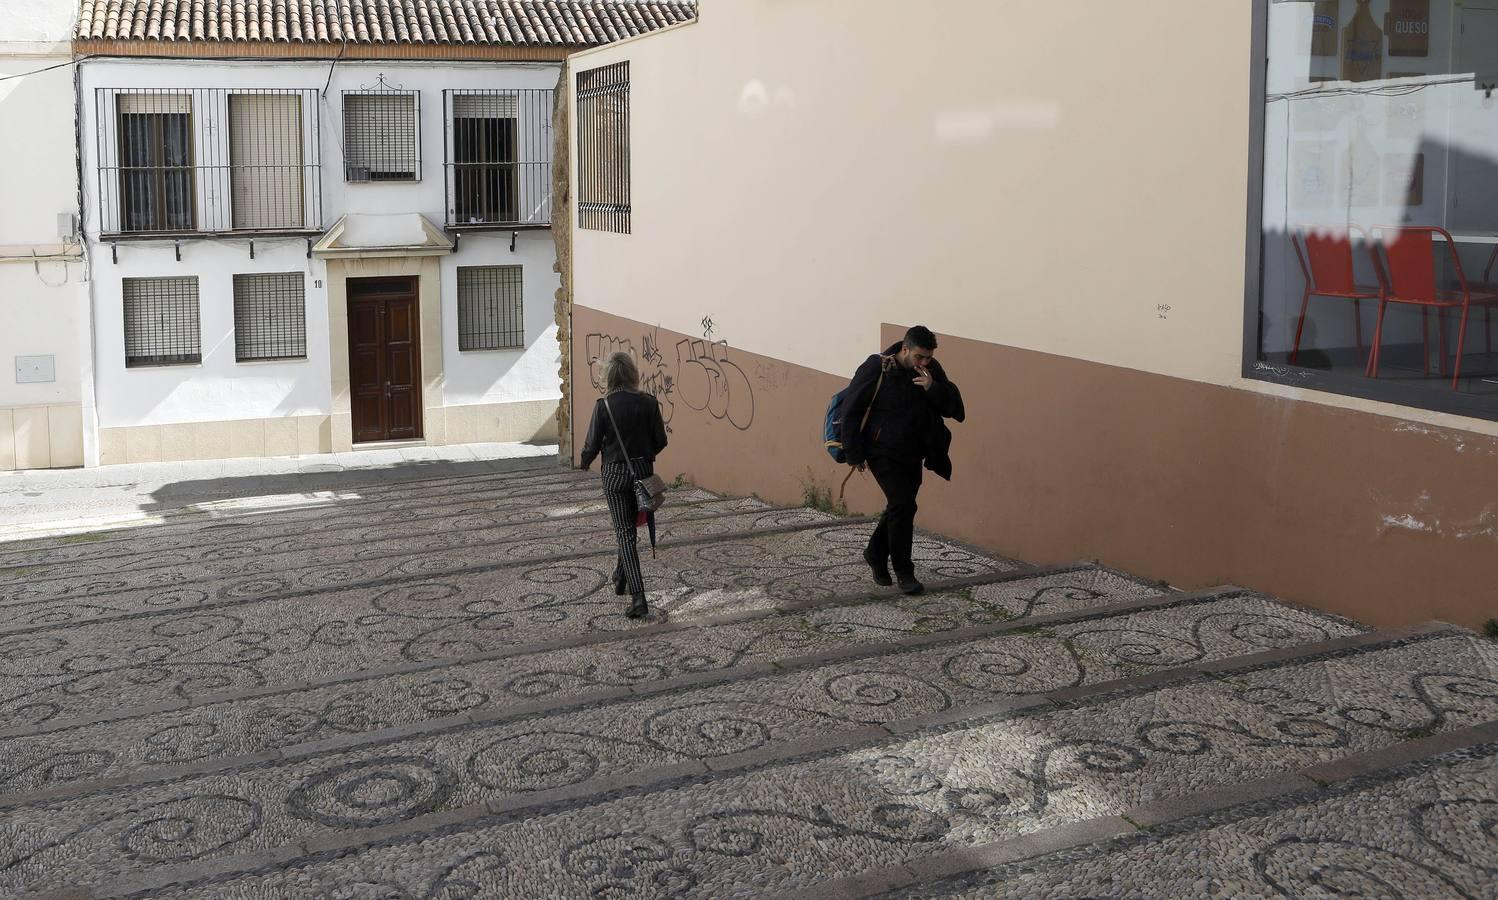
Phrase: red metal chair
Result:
[1326,261]
[1489,286]
[1407,272]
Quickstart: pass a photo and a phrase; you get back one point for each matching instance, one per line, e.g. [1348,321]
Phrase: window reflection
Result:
[1381,192]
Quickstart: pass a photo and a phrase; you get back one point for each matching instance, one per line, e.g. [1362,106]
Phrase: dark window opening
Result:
[156,168]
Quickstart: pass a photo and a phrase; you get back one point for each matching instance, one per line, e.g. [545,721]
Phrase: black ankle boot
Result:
[909,585]
[879,569]
[638,609]
[621,587]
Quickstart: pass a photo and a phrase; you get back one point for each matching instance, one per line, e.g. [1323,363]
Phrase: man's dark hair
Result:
[920,337]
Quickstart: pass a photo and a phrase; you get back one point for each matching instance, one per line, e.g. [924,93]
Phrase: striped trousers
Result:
[619,491]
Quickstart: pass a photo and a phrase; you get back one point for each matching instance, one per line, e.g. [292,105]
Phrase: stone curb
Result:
[591,792]
[584,640]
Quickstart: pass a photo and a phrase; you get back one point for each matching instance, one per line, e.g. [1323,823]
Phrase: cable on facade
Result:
[71,62]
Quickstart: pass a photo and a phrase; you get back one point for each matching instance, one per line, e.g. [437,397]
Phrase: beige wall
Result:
[1039,175]
[41,437]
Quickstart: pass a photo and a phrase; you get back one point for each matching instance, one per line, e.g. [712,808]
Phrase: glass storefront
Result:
[1380,244]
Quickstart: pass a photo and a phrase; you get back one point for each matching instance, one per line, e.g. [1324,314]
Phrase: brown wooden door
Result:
[384,331]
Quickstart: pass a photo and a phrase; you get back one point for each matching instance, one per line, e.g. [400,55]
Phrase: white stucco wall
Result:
[49,21]
[222,389]
[43,306]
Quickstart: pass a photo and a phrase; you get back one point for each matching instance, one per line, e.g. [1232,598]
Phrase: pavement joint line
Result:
[395,580]
[191,516]
[567,517]
[609,788]
[502,542]
[582,640]
[267,517]
[489,715]
[1172,816]
[768,757]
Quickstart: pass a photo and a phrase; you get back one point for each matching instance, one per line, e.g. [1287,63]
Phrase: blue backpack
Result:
[832,425]
[832,428]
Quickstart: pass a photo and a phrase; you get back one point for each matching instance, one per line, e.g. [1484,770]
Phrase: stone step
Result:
[475,539]
[279,636]
[854,733]
[778,817]
[588,670]
[297,502]
[1416,821]
[315,515]
[347,568]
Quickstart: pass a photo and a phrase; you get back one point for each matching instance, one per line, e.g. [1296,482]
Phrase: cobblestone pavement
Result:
[429,690]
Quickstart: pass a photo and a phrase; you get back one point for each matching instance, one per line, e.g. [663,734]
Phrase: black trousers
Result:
[624,509]
[900,481]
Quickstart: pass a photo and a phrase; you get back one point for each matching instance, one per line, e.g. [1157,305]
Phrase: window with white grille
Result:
[381,136]
[161,322]
[270,316]
[490,308]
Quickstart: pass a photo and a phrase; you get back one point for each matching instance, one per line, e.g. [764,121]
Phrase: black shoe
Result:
[638,609]
[621,587]
[880,570]
[909,585]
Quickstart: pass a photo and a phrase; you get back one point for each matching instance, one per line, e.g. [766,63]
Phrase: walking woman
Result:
[628,430]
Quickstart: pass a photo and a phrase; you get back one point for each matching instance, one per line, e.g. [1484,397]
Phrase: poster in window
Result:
[1325,17]
[1408,27]
[1362,47]
[1404,180]
[1311,163]
[1406,115]
[1313,115]
[1362,174]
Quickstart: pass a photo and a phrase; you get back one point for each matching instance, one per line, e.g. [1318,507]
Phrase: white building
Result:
[43,300]
[311,233]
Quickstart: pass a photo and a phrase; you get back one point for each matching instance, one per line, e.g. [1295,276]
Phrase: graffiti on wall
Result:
[702,378]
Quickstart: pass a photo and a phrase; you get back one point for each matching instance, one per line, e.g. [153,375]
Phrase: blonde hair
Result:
[620,373]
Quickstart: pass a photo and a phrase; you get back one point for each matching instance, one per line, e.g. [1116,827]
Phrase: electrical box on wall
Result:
[36,369]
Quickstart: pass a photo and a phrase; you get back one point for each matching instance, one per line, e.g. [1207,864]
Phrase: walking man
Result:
[892,422]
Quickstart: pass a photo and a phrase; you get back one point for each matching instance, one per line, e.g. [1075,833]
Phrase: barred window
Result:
[381,136]
[603,202]
[267,170]
[270,319]
[161,322]
[490,308]
[155,162]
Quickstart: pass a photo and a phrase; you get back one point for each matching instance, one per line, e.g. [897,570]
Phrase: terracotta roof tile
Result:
[572,23]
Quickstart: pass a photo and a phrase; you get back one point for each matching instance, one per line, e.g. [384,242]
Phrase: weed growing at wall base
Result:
[1490,629]
[818,497]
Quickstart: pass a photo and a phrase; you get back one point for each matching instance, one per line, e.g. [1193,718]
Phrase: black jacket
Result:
[906,422]
[639,419]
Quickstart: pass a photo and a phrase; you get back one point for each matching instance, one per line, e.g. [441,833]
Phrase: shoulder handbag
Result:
[650,491]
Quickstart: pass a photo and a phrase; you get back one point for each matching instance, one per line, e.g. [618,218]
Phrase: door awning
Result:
[366,236]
